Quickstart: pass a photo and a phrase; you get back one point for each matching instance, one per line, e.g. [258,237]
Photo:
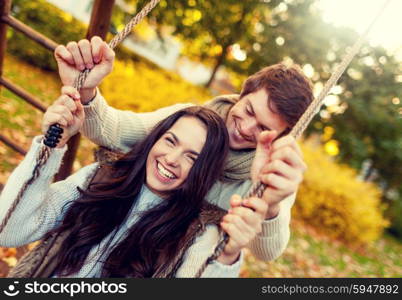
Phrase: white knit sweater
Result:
[44,204]
[120,130]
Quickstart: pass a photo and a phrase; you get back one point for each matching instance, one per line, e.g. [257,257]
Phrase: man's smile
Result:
[240,135]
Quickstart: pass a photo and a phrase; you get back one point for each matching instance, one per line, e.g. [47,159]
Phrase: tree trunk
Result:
[221,58]
[219,62]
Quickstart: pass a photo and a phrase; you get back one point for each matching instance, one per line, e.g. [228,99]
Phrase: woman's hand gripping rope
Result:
[67,111]
[242,224]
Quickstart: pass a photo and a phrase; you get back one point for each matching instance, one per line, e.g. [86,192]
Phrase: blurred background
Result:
[347,219]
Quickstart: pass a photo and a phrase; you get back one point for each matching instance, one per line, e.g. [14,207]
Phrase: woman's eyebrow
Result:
[176,139]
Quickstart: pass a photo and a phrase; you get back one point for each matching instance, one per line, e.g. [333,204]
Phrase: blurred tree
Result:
[263,31]
[287,29]
[371,126]
[208,28]
[366,116]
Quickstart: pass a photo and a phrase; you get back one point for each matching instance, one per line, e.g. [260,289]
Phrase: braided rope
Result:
[257,189]
[45,151]
[41,160]
[79,82]
[218,250]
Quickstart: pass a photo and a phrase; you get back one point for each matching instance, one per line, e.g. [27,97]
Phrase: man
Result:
[270,103]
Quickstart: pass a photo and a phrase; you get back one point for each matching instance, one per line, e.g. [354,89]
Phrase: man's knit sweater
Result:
[120,130]
[44,204]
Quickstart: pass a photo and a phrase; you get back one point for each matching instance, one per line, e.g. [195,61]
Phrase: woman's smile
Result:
[163,174]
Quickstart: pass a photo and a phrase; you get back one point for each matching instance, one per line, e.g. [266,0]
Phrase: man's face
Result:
[249,117]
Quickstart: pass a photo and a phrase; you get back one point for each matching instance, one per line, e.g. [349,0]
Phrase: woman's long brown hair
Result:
[155,238]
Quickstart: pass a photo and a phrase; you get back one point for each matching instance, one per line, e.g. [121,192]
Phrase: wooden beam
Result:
[29,32]
[35,102]
[12,145]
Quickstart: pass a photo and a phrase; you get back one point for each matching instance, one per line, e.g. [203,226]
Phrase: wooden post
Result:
[100,18]
[99,25]
[5,6]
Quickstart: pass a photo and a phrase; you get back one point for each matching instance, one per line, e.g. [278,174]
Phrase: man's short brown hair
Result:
[289,90]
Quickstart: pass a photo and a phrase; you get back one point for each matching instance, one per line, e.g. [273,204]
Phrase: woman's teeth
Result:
[164,172]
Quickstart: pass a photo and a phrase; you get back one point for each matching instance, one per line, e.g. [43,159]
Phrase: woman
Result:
[143,216]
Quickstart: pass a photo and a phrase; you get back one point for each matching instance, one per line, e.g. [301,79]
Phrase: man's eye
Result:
[249,111]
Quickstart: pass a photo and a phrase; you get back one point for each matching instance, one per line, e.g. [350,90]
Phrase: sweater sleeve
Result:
[198,253]
[274,237]
[120,129]
[43,203]
[272,241]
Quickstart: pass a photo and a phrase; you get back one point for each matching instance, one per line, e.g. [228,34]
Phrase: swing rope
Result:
[257,189]
[79,82]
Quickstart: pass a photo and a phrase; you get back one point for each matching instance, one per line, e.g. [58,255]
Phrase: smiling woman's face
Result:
[172,156]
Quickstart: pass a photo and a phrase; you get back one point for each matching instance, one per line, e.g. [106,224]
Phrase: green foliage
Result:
[370,128]
[47,20]
[339,204]
[58,26]
[207,28]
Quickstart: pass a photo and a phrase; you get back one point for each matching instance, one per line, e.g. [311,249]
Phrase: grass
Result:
[309,254]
